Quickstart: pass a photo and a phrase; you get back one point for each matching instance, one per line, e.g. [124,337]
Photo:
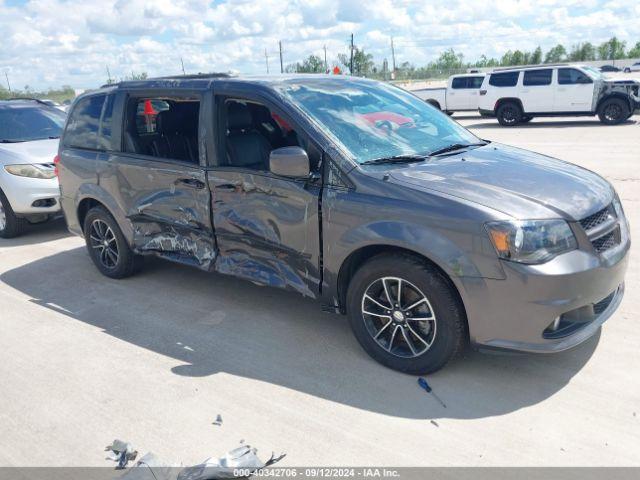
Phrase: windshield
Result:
[375,120]
[595,73]
[23,124]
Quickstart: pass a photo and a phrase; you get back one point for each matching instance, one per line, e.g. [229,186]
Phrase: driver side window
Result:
[251,131]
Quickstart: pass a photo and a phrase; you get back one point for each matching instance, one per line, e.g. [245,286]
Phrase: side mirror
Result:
[289,162]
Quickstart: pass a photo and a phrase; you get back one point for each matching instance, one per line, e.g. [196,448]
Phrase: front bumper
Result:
[514,313]
[23,192]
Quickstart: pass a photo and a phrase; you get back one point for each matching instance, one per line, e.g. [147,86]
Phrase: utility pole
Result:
[182,63]
[281,64]
[6,75]
[108,75]
[393,60]
[351,61]
[266,59]
[326,66]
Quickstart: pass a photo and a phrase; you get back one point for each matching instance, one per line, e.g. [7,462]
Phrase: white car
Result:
[460,94]
[29,190]
[516,95]
[632,68]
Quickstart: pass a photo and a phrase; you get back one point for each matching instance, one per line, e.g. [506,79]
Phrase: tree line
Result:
[450,61]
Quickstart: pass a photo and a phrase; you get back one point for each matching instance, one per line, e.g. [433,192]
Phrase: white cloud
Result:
[53,42]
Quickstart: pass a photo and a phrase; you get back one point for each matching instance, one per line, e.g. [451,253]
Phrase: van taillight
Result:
[56,161]
[483,92]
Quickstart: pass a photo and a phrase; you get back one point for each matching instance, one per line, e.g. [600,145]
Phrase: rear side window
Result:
[537,77]
[571,76]
[507,79]
[163,127]
[467,82]
[460,82]
[104,134]
[475,82]
[84,123]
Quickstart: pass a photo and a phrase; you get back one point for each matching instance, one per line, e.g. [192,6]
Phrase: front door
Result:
[158,180]
[574,92]
[267,226]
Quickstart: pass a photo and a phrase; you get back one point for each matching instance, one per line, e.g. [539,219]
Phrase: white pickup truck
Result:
[460,94]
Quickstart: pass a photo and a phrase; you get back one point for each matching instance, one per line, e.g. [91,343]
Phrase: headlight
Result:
[31,171]
[531,241]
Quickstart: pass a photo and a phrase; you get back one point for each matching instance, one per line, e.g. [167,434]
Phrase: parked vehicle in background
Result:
[425,235]
[516,95]
[632,68]
[460,94]
[609,68]
[29,192]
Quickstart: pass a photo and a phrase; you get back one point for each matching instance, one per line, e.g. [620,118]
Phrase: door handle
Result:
[191,183]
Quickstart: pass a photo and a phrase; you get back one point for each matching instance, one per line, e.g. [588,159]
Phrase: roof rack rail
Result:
[195,76]
[539,65]
[192,76]
[28,98]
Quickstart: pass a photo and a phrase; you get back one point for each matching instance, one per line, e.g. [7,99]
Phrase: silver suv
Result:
[29,191]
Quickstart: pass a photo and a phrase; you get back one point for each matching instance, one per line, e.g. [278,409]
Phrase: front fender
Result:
[423,240]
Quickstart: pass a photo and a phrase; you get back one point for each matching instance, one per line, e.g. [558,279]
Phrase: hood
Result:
[37,151]
[519,183]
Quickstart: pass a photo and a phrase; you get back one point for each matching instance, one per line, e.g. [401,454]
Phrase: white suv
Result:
[516,95]
[29,190]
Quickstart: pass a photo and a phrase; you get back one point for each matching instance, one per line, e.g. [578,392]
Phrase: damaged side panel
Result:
[267,229]
[168,206]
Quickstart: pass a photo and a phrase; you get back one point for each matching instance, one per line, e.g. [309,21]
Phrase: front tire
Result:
[613,111]
[107,246]
[10,225]
[406,314]
[509,114]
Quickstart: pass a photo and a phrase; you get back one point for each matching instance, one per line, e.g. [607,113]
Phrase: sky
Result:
[48,43]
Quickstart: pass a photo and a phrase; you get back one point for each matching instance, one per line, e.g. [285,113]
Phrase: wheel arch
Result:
[434,103]
[503,100]
[619,95]
[92,195]
[359,257]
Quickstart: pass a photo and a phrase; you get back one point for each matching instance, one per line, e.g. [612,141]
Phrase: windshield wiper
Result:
[396,159]
[454,147]
[10,141]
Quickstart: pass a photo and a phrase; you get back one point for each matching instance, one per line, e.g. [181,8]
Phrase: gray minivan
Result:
[352,192]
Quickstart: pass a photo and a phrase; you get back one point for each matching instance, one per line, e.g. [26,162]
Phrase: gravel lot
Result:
[153,360]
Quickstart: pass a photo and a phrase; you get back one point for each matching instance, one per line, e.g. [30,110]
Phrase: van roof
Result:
[204,81]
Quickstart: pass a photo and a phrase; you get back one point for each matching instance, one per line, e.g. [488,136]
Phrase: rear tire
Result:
[107,246]
[10,225]
[627,70]
[411,342]
[434,104]
[509,114]
[613,111]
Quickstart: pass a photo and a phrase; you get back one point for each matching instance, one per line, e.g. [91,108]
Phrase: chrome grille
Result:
[596,219]
[602,228]
[605,242]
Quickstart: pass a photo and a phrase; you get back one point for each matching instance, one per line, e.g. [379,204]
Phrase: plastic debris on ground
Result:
[121,452]
[243,457]
[150,467]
